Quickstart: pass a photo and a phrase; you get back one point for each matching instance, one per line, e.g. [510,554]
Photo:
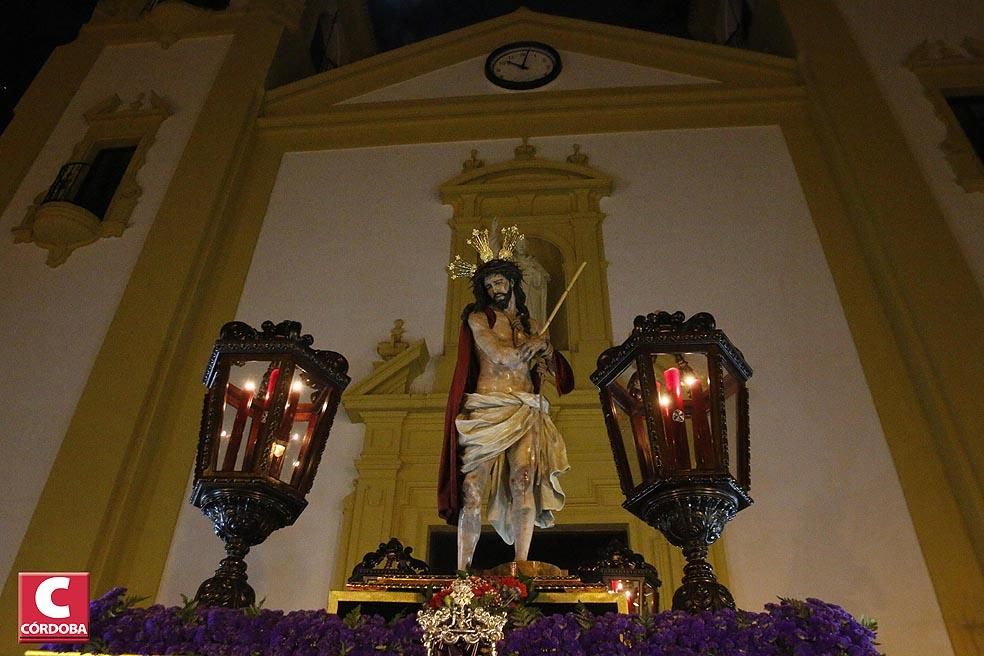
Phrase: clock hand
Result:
[525,57]
[522,66]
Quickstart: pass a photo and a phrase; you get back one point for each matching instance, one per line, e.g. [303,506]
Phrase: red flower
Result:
[438,599]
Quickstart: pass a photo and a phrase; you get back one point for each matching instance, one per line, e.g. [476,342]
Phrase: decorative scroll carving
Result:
[242,518]
[693,519]
[663,327]
[617,558]
[390,559]
[329,363]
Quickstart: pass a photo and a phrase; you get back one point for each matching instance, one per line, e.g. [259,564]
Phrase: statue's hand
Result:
[519,332]
[534,346]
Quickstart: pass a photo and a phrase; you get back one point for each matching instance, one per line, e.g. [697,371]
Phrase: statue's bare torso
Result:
[502,367]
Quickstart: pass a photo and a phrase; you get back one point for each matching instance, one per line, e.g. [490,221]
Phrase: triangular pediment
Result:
[393,376]
[595,56]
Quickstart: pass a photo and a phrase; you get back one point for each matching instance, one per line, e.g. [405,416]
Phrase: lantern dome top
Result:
[674,331]
[278,338]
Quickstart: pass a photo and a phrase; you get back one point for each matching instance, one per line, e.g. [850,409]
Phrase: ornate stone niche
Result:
[556,205]
[61,226]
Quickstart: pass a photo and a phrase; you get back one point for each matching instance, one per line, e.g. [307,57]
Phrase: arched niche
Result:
[552,260]
[556,205]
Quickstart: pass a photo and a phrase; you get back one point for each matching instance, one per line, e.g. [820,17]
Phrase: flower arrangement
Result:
[787,628]
[493,593]
[468,616]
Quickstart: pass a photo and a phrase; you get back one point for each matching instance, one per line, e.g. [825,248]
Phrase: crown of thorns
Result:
[488,249]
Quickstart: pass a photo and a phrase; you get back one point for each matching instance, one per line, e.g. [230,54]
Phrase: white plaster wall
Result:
[829,520]
[54,320]
[367,241]
[887,31]
[579,71]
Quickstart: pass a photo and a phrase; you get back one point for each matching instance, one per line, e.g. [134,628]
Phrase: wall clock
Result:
[522,65]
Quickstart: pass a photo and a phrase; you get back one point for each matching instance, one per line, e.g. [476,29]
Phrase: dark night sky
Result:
[399,22]
[29,30]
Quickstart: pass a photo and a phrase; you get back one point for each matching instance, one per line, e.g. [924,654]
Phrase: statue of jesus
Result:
[499,436]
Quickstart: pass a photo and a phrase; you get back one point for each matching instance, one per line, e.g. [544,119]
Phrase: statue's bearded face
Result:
[499,289]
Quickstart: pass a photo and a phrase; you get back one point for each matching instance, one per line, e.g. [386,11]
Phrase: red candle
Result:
[672,378]
[271,385]
[675,428]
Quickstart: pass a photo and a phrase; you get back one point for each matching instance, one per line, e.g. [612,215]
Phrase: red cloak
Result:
[449,475]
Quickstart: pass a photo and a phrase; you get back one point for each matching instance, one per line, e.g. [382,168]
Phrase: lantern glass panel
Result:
[295,438]
[731,386]
[630,415]
[633,589]
[683,388]
[247,395]
[229,411]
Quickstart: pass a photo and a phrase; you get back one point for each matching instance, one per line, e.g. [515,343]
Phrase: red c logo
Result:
[53,607]
[42,597]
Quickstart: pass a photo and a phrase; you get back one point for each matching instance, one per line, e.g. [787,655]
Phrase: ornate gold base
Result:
[598,599]
[528,568]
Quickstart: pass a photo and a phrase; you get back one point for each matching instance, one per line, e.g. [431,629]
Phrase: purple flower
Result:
[788,628]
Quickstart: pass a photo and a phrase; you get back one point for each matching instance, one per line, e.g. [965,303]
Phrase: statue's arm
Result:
[536,344]
[550,361]
[492,346]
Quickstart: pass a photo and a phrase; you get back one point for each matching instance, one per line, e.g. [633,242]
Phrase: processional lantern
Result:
[269,407]
[625,572]
[675,403]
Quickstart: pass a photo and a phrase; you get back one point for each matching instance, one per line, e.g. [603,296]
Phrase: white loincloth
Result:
[491,423]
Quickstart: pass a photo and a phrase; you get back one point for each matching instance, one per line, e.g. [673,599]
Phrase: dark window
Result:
[969,111]
[102,179]
[323,41]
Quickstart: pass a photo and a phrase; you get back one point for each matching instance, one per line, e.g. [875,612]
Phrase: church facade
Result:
[818,200]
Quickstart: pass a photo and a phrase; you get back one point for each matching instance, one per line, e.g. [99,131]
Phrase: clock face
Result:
[522,65]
